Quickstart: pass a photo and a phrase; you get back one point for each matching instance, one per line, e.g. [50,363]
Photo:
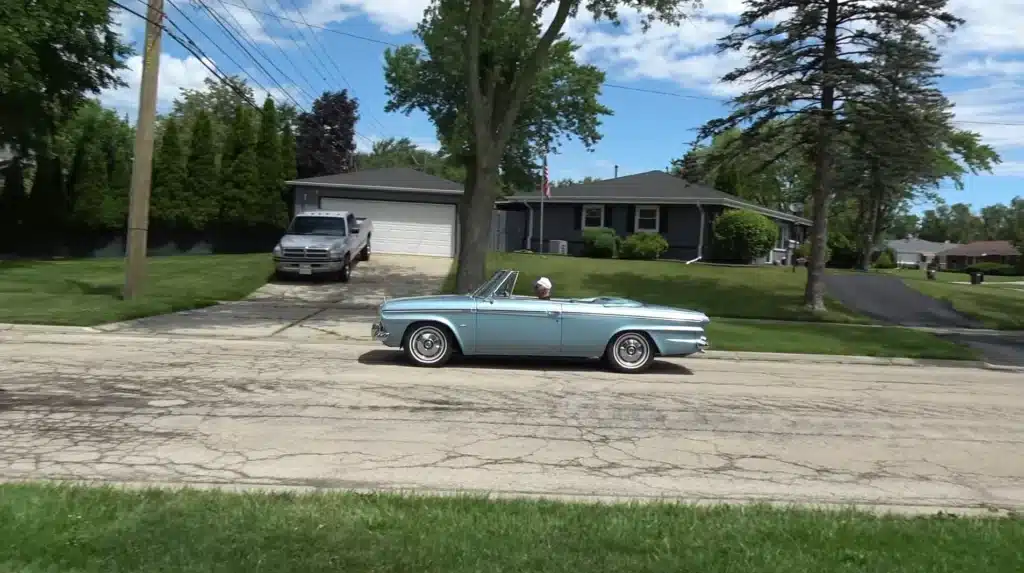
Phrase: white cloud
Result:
[393,16]
[175,74]
[1009,169]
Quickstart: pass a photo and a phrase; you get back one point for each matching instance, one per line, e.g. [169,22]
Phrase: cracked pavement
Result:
[274,413]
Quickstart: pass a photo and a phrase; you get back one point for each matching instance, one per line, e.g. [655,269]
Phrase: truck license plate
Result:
[305,270]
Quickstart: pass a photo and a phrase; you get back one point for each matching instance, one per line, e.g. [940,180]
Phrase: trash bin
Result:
[981,277]
[975,278]
[931,274]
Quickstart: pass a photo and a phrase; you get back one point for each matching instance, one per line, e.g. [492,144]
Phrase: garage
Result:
[413,213]
[404,228]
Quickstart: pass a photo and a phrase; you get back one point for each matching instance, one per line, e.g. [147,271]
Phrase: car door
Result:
[518,326]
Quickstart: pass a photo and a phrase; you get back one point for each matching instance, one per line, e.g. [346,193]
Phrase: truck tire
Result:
[346,270]
[364,255]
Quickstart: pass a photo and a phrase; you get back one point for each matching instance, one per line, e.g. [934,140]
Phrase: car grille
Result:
[308,254]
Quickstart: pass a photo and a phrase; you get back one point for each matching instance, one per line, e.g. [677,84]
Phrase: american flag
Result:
[546,184]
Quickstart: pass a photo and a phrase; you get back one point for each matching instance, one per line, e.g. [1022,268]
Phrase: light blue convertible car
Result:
[491,321]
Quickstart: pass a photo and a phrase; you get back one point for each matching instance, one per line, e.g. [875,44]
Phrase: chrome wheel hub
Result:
[428,344]
[631,351]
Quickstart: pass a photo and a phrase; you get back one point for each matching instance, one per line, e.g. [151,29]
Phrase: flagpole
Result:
[543,194]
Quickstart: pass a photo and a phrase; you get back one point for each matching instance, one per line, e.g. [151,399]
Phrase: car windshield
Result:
[488,284]
[330,226]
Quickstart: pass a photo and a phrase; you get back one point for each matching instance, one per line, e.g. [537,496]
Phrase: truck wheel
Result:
[364,255]
[346,271]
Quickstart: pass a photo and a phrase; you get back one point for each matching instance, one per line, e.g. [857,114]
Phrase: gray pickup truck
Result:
[323,243]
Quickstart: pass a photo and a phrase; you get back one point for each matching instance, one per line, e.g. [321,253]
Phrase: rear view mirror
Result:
[354,231]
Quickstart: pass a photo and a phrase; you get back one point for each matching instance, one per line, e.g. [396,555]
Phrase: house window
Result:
[646,219]
[593,216]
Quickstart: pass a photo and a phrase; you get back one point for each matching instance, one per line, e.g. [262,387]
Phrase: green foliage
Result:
[803,251]
[325,143]
[168,204]
[600,243]
[12,197]
[93,207]
[269,208]
[885,260]
[54,53]
[394,152]
[743,235]
[289,170]
[48,204]
[644,246]
[202,189]
[239,206]
[995,269]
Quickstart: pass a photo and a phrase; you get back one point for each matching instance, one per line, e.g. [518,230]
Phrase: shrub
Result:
[743,235]
[885,260]
[600,243]
[994,269]
[646,246]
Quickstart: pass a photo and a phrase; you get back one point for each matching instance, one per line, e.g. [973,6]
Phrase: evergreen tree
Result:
[12,203]
[90,182]
[807,62]
[201,192]
[48,206]
[240,174]
[169,209]
[289,165]
[271,209]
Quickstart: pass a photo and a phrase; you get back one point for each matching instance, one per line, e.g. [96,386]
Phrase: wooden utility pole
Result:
[142,169]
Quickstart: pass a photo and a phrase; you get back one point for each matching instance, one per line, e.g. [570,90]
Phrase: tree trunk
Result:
[475,213]
[814,293]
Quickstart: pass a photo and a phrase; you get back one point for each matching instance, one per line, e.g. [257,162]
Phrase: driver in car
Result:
[542,288]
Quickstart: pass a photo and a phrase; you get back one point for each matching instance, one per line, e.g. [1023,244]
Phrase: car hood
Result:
[432,302]
[314,241]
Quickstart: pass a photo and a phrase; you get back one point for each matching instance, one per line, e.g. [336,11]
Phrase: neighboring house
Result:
[413,213]
[912,252]
[655,201]
[964,256]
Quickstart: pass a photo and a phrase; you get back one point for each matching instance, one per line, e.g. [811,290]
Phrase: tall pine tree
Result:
[12,203]
[240,174]
[806,62]
[289,169]
[270,209]
[169,206]
[48,203]
[202,189]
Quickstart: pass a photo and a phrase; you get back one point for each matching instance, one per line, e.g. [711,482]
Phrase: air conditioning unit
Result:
[558,247]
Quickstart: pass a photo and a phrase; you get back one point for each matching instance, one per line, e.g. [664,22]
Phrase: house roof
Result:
[387,179]
[982,248]
[650,187]
[912,245]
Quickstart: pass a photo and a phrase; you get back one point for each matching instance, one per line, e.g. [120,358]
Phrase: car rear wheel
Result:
[629,352]
[429,345]
[365,254]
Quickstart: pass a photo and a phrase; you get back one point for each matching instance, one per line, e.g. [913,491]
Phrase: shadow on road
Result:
[396,358]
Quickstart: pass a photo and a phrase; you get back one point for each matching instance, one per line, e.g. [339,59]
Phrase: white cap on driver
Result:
[543,282]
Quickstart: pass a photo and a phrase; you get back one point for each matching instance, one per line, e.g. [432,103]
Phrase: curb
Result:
[735,356]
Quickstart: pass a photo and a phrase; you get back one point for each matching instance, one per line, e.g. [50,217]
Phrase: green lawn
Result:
[88,291]
[838,339]
[720,291]
[48,529]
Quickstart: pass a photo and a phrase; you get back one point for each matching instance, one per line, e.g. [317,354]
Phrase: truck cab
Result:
[323,243]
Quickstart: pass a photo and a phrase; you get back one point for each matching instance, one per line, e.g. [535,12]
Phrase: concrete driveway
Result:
[280,414]
[305,309]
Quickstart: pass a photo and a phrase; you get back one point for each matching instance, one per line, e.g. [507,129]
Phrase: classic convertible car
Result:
[491,321]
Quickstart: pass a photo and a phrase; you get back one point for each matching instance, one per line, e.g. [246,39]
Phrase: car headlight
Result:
[277,250]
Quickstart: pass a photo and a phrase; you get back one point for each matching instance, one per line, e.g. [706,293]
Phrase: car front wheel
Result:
[429,345]
[629,352]
[346,271]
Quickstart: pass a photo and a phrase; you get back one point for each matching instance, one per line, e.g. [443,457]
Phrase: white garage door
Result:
[404,228]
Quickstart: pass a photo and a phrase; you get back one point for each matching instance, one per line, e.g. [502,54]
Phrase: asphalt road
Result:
[888,300]
[272,413]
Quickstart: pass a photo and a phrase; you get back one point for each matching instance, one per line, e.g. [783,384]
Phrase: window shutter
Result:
[577,217]
[663,214]
[631,219]
[607,216]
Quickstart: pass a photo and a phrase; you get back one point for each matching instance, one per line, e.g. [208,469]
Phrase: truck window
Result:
[351,221]
[330,226]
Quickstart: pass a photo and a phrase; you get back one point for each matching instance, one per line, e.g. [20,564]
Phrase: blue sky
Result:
[984,63]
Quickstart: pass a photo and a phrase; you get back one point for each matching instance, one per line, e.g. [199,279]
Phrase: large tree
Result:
[169,202]
[54,54]
[271,210]
[326,139]
[489,80]
[402,152]
[202,190]
[807,62]
[240,177]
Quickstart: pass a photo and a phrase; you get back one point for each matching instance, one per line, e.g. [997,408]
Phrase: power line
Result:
[197,53]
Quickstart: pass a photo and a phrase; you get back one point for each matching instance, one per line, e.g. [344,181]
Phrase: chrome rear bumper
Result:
[378,332]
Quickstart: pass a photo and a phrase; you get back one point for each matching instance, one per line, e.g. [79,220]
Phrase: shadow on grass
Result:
[397,358]
[113,291]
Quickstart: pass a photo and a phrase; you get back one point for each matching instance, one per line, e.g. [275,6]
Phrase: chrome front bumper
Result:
[378,332]
[703,344]
[308,267]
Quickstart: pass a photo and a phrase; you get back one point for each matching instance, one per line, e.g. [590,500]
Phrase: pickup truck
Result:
[323,243]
